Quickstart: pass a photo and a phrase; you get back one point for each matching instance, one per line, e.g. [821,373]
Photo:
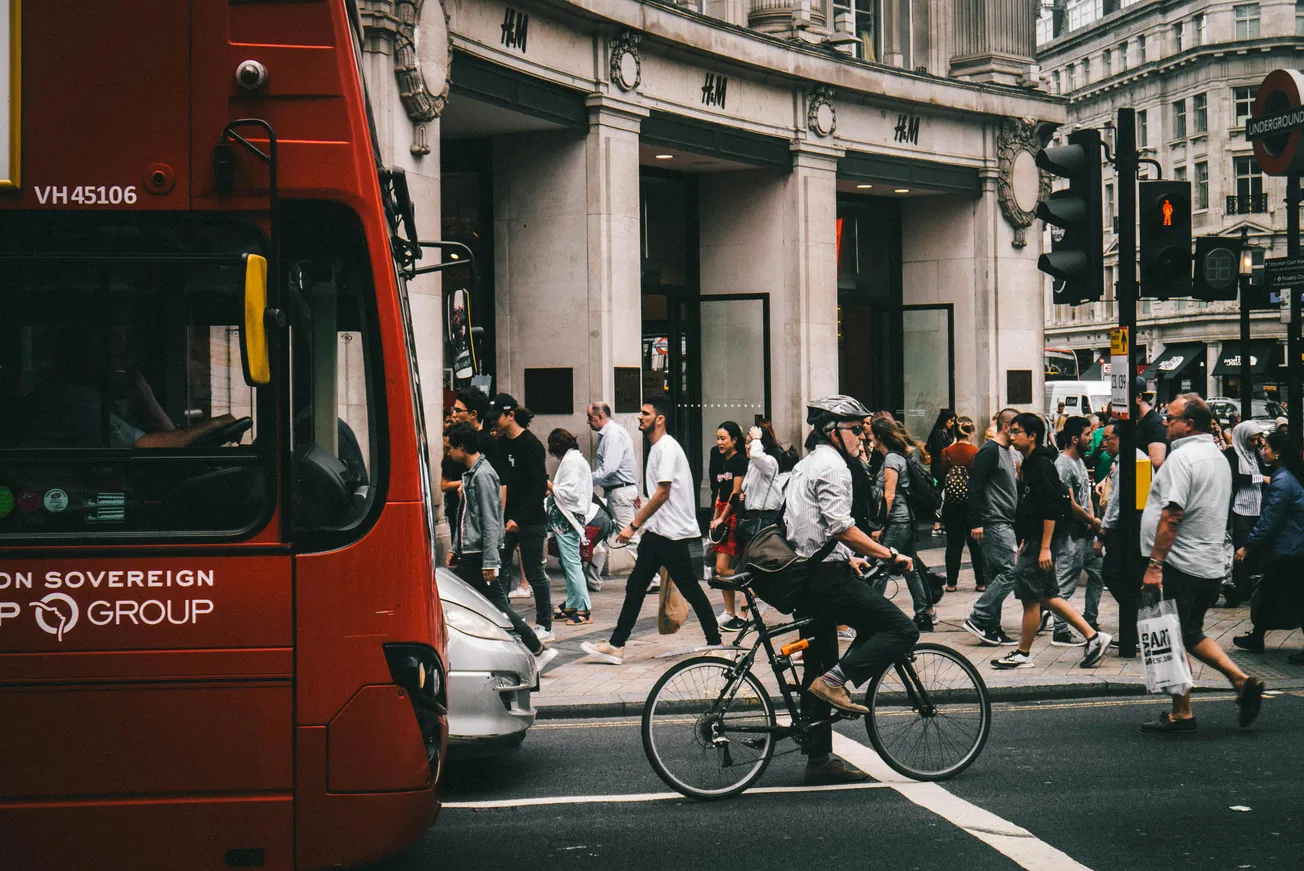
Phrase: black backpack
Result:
[923,498]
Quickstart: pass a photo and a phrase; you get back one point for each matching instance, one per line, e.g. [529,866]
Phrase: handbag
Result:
[1160,632]
[777,571]
[753,521]
[672,609]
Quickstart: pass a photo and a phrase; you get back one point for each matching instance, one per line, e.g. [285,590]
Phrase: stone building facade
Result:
[1190,69]
[736,204]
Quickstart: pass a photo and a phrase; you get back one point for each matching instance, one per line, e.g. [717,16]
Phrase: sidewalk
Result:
[575,685]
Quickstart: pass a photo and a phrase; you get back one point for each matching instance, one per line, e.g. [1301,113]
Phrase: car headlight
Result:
[468,622]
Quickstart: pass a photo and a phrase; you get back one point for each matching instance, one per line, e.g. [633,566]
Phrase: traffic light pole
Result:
[1295,409]
[1246,374]
[1125,170]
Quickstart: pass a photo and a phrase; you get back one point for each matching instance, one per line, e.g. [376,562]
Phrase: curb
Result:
[1088,689]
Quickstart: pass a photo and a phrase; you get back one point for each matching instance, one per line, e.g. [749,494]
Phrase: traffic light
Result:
[1076,255]
[1165,239]
[1217,268]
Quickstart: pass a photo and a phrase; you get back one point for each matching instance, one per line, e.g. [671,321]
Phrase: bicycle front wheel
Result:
[929,715]
[689,728]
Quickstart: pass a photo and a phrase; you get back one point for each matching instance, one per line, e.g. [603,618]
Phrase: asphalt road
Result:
[1067,785]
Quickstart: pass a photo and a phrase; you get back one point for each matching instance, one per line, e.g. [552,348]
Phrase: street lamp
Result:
[1246,276]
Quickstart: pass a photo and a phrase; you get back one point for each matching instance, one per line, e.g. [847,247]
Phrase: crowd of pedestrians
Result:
[1038,508]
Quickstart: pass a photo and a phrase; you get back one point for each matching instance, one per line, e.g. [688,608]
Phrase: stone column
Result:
[994,40]
[806,339]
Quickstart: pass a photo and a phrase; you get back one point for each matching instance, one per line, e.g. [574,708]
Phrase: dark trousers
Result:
[677,557]
[1125,586]
[530,539]
[470,568]
[833,595]
[1242,570]
[955,520]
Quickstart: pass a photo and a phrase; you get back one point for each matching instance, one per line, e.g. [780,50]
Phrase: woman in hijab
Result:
[1248,480]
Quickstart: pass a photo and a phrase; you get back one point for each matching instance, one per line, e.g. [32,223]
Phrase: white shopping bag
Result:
[1160,631]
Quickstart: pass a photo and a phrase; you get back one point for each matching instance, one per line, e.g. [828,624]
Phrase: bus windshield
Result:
[126,409]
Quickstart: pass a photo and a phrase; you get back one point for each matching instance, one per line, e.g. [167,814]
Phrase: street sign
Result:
[1118,372]
[1276,125]
[1283,272]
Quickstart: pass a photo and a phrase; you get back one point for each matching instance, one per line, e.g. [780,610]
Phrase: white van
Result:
[1079,397]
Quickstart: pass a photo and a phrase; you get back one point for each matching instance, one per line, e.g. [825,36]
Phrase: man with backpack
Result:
[1072,543]
[906,489]
[957,460]
[820,528]
[1043,505]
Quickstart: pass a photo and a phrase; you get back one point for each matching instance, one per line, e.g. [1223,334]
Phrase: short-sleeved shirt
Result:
[676,519]
[733,468]
[1195,478]
[1150,429]
[1073,472]
[900,501]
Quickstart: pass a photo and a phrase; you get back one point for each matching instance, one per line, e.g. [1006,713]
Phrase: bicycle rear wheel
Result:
[929,715]
[687,729]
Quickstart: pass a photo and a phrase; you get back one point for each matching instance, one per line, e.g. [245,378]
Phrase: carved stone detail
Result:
[821,114]
[626,62]
[1016,146]
[418,101]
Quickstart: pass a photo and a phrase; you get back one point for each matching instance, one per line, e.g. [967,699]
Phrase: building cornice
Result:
[681,31]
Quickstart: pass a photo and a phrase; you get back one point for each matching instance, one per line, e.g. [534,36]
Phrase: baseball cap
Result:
[1139,385]
[1281,421]
[501,404]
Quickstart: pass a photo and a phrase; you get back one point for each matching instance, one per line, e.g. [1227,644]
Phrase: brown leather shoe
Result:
[838,697]
[833,772]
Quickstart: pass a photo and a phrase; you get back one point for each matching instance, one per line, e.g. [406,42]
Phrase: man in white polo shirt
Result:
[668,524]
[1182,533]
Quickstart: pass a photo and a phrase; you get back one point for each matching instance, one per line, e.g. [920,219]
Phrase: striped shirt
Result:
[818,503]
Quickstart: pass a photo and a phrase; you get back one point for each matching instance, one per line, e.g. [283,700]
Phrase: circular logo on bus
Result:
[56,614]
[56,501]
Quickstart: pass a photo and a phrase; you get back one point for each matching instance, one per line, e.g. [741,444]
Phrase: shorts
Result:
[1193,596]
[730,543]
[1032,583]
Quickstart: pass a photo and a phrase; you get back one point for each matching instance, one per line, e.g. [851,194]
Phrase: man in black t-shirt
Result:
[525,477]
[1151,433]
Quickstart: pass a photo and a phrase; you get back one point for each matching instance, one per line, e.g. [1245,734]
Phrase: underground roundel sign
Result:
[1277,126]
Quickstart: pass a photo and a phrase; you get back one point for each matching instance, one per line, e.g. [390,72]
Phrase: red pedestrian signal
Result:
[1168,212]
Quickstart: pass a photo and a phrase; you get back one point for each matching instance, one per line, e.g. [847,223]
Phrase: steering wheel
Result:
[231,432]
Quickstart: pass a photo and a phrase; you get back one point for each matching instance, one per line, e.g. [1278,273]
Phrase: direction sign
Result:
[1282,272]
[1118,342]
[1276,126]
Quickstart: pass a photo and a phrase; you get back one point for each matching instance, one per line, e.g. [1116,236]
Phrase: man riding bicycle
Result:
[818,511]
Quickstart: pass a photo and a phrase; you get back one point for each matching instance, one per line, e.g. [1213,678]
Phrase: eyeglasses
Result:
[855,428]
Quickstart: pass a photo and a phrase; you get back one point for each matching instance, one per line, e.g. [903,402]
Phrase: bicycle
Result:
[710,726]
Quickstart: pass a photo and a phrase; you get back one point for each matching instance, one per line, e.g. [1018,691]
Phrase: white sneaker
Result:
[1013,659]
[520,593]
[543,634]
[723,617]
[605,652]
[847,634]
[545,656]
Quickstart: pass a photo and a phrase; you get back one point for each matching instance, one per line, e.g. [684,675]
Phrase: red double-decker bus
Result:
[220,641]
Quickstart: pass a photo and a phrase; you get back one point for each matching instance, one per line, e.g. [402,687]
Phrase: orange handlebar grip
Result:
[789,649]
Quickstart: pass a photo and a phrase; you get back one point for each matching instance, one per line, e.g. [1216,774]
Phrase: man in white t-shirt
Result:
[667,523]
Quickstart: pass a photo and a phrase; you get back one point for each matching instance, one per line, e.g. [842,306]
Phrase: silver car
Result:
[491,673]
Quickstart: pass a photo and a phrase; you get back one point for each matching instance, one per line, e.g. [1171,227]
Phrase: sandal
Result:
[979,589]
[949,589]
[562,612]
[578,618]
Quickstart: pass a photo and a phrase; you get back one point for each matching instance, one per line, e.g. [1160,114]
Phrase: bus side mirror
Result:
[253,332]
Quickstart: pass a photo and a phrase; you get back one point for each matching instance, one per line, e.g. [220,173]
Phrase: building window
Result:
[1201,186]
[1070,78]
[1199,29]
[1201,104]
[1179,119]
[1086,71]
[1244,99]
[1179,172]
[1247,20]
[1141,49]
[1249,185]
[1055,83]
[1142,132]
[1179,37]
[1108,62]
[1299,17]
[1109,208]
[1122,55]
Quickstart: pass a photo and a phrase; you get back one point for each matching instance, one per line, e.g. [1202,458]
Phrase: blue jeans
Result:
[577,591]
[998,559]
[1073,556]
[901,535]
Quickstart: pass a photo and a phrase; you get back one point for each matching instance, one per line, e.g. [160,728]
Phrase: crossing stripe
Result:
[1015,842]
[646,796]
